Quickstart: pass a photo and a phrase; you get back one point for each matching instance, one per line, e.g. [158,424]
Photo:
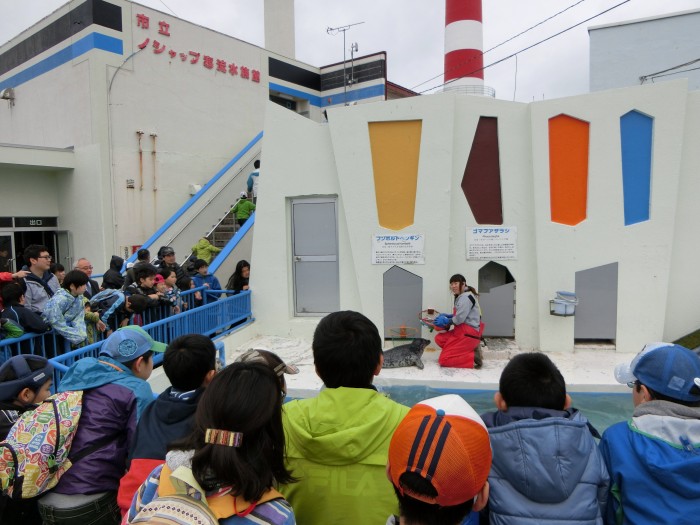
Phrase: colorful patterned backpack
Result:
[176,509]
[34,455]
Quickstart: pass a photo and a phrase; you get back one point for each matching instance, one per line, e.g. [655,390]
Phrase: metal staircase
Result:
[223,231]
[207,214]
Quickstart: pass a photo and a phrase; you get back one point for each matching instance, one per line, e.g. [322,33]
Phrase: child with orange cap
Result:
[439,462]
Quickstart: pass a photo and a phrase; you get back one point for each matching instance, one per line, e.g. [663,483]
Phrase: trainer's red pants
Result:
[458,346]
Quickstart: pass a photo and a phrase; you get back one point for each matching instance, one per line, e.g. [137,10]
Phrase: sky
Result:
[412,34]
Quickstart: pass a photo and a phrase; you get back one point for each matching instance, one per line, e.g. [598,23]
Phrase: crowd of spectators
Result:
[42,296]
[224,447]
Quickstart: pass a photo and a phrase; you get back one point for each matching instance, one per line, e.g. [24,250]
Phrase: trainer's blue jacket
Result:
[546,468]
[654,464]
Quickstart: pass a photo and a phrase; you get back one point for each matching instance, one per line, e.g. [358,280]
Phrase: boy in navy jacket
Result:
[190,364]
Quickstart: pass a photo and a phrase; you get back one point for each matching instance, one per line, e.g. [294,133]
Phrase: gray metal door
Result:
[403,296]
[64,249]
[7,252]
[315,256]
[498,310]
[596,313]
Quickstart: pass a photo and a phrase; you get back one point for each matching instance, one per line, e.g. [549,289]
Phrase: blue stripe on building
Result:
[76,49]
[354,95]
[314,100]
[332,100]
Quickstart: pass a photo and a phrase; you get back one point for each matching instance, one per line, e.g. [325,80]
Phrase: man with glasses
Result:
[40,282]
[654,458]
[93,286]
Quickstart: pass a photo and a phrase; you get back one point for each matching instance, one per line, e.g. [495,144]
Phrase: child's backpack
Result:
[180,502]
[106,303]
[34,455]
[176,509]
[9,330]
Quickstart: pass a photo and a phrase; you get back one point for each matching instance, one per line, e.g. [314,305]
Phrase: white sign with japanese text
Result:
[492,242]
[398,249]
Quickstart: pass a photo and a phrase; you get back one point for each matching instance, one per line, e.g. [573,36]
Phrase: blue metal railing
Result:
[197,196]
[213,318]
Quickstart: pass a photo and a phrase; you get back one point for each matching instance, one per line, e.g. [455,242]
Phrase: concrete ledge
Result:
[583,370]
[36,157]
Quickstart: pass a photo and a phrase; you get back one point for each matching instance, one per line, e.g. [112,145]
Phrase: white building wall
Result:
[202,117]
[351,147]
[622,53]
[516,188]
[643,251]
[683,299]
[63,120]
[302,166]
[653,256]
[24,186]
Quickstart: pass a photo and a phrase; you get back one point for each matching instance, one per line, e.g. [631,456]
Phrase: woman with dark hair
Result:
[235,454]
[239,279]
[460,346]
[59,271]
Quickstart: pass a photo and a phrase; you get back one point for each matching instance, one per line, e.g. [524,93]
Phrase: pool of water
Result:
[601,409]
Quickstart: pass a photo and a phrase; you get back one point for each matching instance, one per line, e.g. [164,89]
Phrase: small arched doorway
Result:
[497,300]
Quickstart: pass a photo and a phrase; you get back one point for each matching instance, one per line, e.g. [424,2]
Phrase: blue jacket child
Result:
[204,278]
[654,458]
[546,464]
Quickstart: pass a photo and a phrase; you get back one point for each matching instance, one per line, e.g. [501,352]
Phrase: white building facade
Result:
[594,195]
[114,114]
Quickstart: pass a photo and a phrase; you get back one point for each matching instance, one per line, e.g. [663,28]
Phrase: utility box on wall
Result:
[564,305]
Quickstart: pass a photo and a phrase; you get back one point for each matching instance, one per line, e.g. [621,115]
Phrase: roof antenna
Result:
[334,31]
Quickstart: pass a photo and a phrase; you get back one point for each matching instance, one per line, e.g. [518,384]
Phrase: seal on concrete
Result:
[406,355]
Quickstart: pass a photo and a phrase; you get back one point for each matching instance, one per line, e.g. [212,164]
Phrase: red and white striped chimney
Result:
[463,44]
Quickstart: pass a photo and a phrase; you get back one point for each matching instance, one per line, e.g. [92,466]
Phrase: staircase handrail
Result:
[148,243]
[230,245]
[184,261]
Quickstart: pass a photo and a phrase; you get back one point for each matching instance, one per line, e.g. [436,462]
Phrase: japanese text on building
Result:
[217,64]
[492,243]
[398,249]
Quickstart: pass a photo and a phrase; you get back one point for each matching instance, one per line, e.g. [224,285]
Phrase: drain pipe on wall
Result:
[153,158]
[139,134]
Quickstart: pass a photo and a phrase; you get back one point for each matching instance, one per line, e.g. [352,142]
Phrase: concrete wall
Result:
[655,257]
[683,299]
[643,250]
[621,53]
[23,184]
[302,165]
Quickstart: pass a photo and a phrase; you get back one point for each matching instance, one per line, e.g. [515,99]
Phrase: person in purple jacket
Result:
[115,393]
